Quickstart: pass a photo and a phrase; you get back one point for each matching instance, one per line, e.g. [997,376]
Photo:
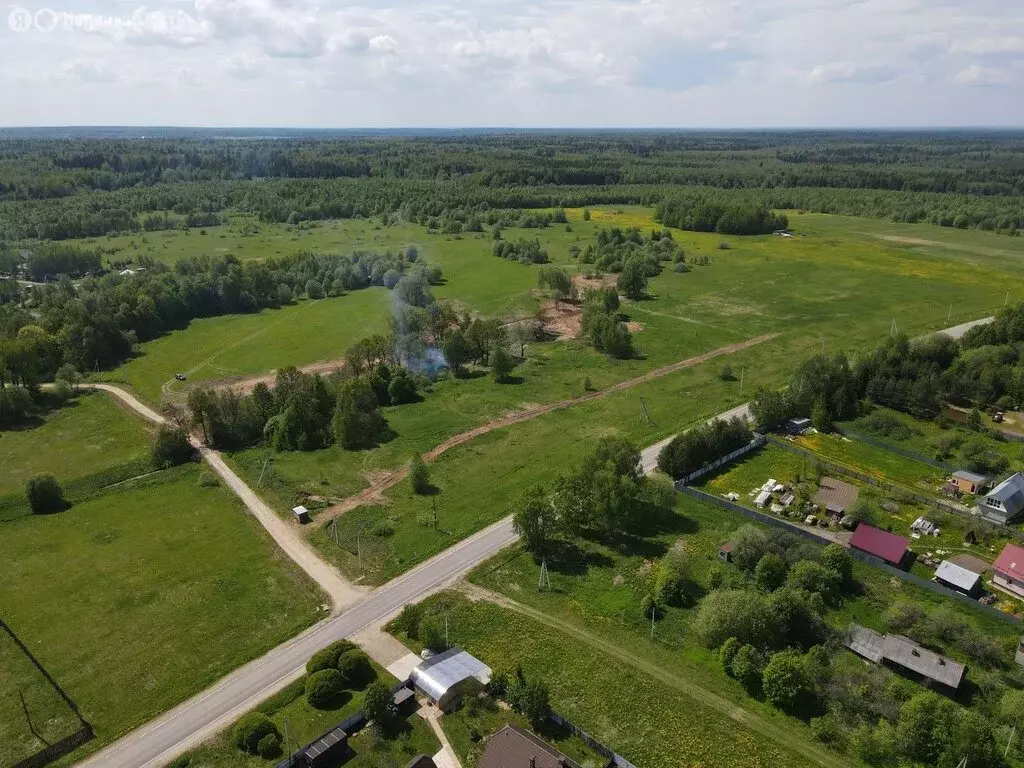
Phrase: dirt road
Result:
[287,537]
[376,490]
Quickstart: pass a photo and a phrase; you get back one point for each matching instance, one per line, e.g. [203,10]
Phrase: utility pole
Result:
[545,576]
[433,502]
[950,315]
[260,481]
[1007,299]
[742,371]
[446,642]
[1010,741]
[652,621]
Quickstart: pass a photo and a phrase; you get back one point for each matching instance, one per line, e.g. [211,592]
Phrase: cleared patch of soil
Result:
[561,319]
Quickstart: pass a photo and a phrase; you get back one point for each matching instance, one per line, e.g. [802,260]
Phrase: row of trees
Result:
[700,214]
[986,368]
[702,445]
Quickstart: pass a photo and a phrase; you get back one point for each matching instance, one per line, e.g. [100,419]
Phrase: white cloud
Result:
[978,75]
[547,62]
[84,71]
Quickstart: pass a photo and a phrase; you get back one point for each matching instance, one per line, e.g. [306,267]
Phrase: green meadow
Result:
[145,595]
[85,436]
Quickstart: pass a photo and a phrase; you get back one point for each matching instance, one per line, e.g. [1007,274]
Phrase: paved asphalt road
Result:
[195,720]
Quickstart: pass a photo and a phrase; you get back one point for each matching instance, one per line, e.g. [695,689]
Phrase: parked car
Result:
[180,376]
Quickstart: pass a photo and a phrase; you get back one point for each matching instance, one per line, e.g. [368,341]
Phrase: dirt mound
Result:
[561,319]
[590,283]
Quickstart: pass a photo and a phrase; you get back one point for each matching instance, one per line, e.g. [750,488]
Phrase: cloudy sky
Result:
[670,63]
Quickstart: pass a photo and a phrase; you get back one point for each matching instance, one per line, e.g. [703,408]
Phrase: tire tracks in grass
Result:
[753,722]
[374,493]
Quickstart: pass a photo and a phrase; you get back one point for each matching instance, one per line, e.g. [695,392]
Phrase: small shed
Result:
[798,425]
[405,699]
[301,514]
[443,677]
[835,496]
[970,482]
[725,553]
[421,761]
[906,656]
[882,544]
[958,578]
[327,749]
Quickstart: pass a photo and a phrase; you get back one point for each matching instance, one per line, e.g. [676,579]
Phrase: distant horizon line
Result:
[512,128]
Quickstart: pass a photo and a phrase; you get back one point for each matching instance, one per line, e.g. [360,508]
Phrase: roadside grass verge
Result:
[168,587]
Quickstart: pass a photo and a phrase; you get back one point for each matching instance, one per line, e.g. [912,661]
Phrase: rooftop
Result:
[879,543]
[904,652]
[970,477]
[1010,492]
[439,673]
[835,495]
[515,747]
[1011,562]
[958,576]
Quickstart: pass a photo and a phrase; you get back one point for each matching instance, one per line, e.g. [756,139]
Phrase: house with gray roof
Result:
[906,656]
[1004,503]
[958,578]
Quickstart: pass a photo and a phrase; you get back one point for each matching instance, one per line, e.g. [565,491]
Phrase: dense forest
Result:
[60,188]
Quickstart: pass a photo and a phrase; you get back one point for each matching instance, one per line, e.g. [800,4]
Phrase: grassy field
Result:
[302,723]
[23,688]
[238,345]
[640,713]
[168,586]
[88,435]
[837,284]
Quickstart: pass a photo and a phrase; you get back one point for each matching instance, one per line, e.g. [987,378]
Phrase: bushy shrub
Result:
[408,621]
[269,746]
[748,668]
[785,680]
[324,687]
[432,634]
[170,447]
[728,652]
[44,495]
[250,731]
[208,480]
[356,669]
[419,476]
[327,658]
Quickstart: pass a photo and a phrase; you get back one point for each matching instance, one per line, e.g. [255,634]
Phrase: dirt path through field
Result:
[288,538]
[764,728]
[376,490]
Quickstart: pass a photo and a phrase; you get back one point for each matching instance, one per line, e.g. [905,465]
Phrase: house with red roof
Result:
[1008,569]
[882,544]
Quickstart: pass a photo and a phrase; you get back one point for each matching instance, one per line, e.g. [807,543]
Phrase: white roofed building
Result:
[443,677]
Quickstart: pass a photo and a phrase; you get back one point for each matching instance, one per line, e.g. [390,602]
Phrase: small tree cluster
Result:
[600,325]
[702,445]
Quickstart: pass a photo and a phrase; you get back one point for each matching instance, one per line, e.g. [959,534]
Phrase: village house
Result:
[1004,503]
[882,544]
[1008,569]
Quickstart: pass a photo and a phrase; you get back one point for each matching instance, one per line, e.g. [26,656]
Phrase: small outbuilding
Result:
[725,553]
[327,749]
[835,496]
[958,578]
[443,677]
[301,514]
[970,482]
[798,425]
[882,544]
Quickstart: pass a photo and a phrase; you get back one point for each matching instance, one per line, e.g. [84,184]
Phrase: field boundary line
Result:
[374,492]
[729,709]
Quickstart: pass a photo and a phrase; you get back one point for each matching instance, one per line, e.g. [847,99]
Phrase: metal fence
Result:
[614,759]
[897,490]
[887,446]
[807,533]
[757,442]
